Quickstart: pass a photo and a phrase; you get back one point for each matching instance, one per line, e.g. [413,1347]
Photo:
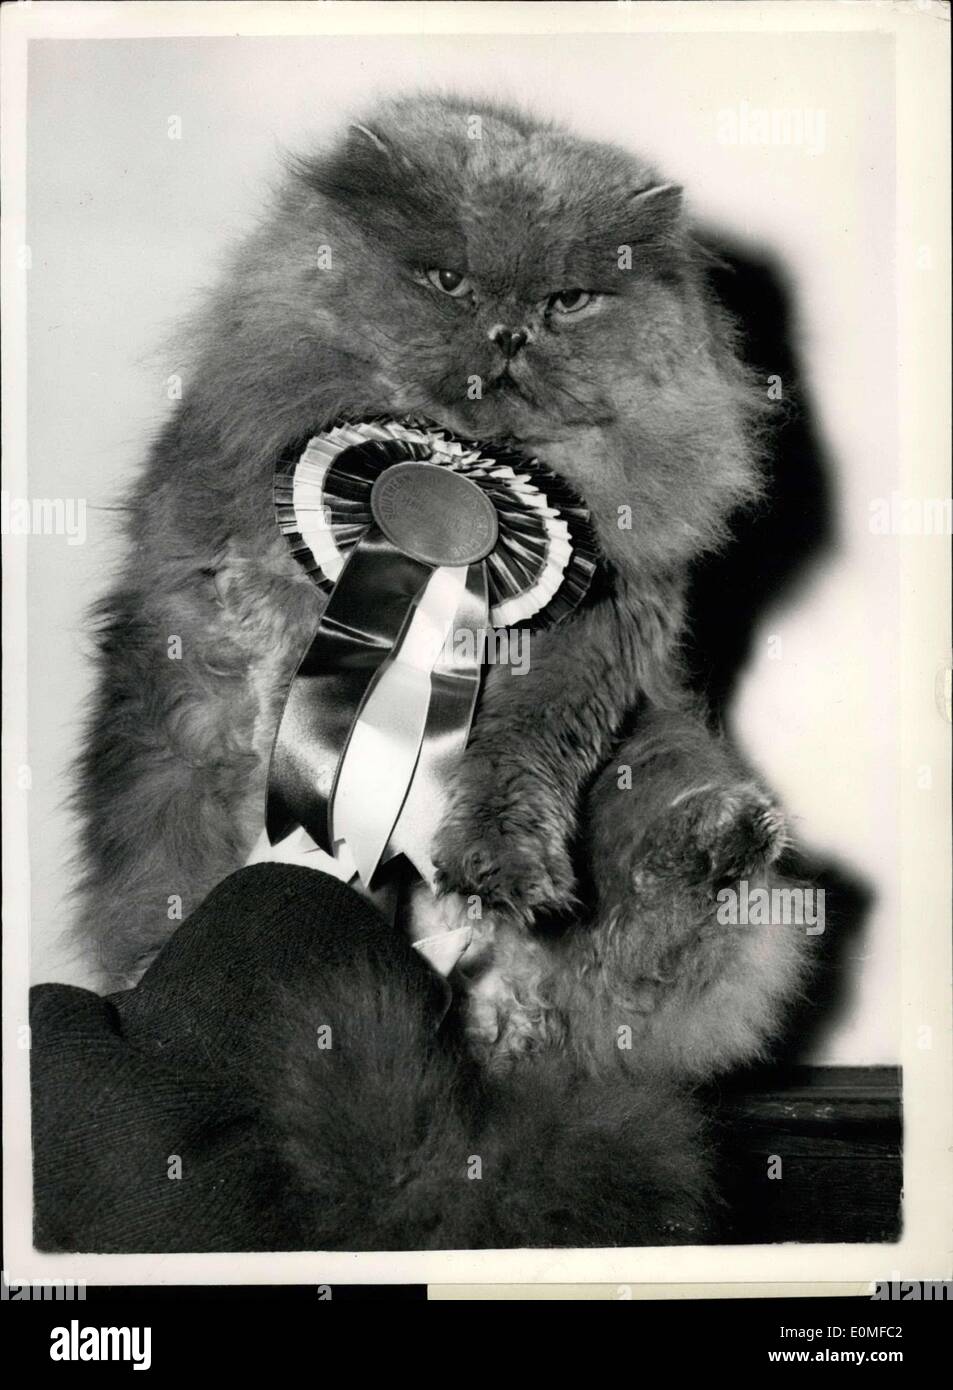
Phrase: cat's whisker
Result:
[370,338]
[576,400]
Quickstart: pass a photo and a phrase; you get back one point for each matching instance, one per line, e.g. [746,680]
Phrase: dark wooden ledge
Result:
[837,1132]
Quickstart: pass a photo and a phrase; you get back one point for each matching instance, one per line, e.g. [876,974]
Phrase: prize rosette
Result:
[424,542]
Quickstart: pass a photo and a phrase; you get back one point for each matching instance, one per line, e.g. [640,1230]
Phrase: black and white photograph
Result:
[476,533]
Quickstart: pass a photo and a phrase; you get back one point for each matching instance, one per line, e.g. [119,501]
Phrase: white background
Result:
[125,224]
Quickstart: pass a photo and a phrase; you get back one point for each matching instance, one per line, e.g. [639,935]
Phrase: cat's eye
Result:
[452,282]
[570,301]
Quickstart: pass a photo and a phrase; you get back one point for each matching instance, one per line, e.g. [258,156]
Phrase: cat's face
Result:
[507,281]
[502,281]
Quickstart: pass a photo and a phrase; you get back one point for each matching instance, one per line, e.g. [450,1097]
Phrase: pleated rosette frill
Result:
[546,556]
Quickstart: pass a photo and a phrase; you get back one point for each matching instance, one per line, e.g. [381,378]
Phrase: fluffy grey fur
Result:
[639,400]
[381,1134]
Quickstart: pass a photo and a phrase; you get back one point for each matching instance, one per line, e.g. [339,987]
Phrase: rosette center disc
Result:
[433,514]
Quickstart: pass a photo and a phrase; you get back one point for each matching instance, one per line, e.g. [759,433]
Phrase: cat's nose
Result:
[509,340]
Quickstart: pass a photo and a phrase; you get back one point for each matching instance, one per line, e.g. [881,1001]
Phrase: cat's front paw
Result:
[715,834]
[513,866]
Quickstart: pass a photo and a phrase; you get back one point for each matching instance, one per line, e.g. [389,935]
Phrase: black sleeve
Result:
[149,1131]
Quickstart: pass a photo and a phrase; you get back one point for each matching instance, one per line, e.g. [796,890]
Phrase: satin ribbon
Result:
[380,709]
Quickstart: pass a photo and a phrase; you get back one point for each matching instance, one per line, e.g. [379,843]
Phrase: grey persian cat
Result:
[594,814]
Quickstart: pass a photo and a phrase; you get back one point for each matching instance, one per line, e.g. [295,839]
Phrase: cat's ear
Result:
[368,157]
[658,210]
[358,169]
[362,139]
